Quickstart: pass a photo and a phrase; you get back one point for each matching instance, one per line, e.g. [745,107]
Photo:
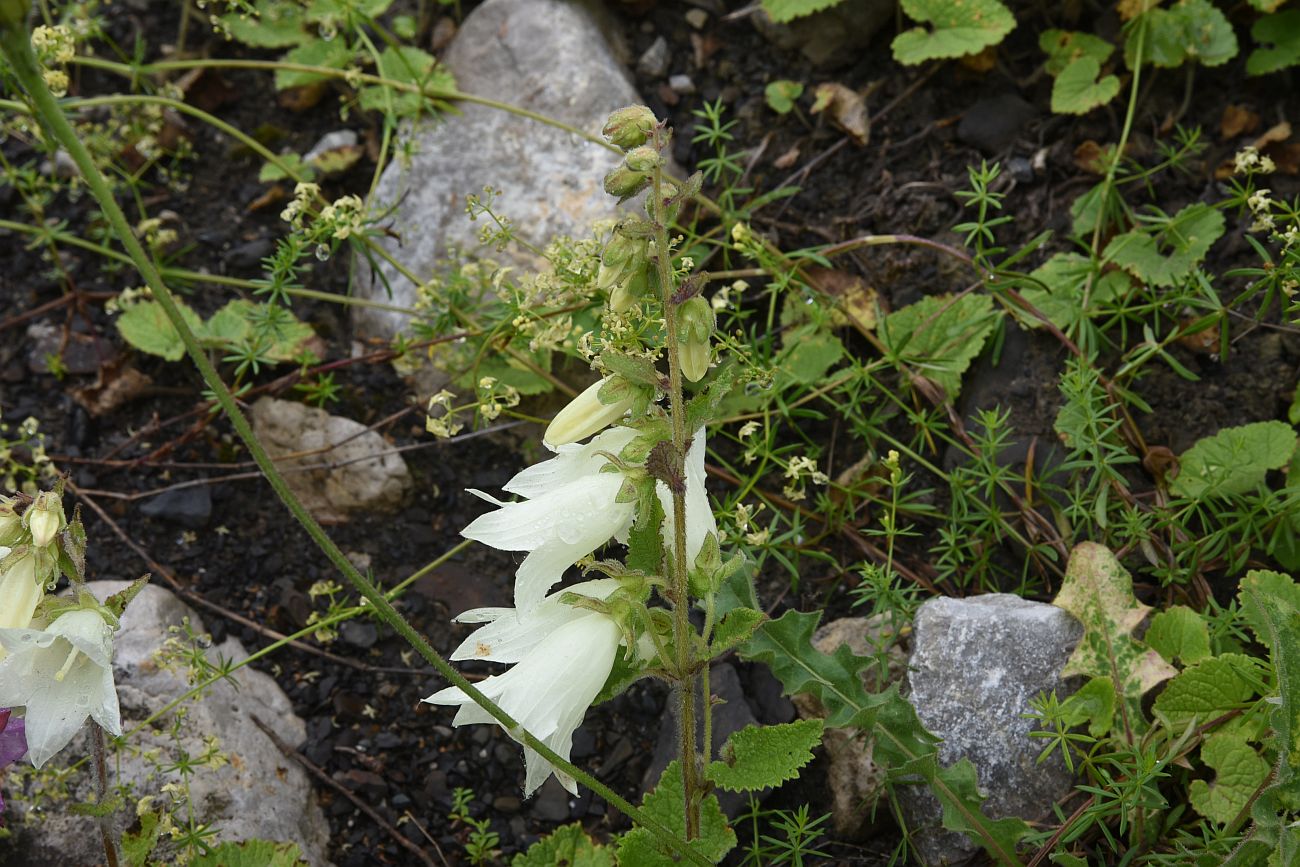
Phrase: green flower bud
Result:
[13,13]
[625,183]
[644,159]
[44,518]
[625,294]
[585,415]
[695,323]
[629,127]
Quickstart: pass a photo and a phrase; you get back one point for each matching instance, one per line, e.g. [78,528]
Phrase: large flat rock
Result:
[548,56]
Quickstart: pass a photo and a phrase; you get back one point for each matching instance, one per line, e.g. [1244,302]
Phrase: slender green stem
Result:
[16,46]
[682,631]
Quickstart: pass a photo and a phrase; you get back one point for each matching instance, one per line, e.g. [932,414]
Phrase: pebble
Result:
[552,804]
[331,141]
[190,507]
[697,18]
[359,634]
[653,62]
[682,84]
[993,122]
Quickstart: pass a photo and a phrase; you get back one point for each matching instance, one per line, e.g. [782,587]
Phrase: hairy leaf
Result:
[735,628]
[1081,87]
[1066,276]
[1208,689]
[1238,772]
[1234,461]
[1171,248]
[1192,30]
[1099,592]
[758,757]
[667,805]
[251,853]
[782,11]
[960,29]
[1179,632]
[939,336]
[145,326]
[1093,703]
[568,845]
[1283,32]
[277,24]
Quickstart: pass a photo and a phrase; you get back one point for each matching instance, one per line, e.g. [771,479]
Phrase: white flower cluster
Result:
[60,672]
[563,654]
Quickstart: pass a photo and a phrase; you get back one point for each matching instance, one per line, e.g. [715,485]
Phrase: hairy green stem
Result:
[16,46]
[105,820]
[682,631]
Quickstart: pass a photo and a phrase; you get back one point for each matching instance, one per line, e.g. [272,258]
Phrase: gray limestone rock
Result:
[257,794]
[548,56]
[353,469]
[856,782]
[976,664]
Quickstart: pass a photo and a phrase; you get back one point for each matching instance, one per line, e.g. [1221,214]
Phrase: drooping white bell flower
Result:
[549,690]
[508,637]
[570,510]
[61,675]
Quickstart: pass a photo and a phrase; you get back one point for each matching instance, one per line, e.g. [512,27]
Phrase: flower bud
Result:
[629,127]
[644,159]
[625,294]
[695,323]
[11,523]
[624,182]
[584,416]
[44,518]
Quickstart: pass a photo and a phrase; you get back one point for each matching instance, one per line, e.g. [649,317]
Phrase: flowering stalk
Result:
[16,47]
[683,634]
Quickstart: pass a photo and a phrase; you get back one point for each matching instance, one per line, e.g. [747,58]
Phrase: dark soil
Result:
[366,726]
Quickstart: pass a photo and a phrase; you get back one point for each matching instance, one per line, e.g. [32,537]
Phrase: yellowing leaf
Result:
[847,110]
[1098,591]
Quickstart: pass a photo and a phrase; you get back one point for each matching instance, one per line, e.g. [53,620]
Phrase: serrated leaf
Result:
[408,65]
[760,757]
[234,325]
[1172,251]
[1081,87]
[1238,772]
[1098,591]
[939,336]
[1093,703]
[1269,601]
[703,407]
[783,11]
[645,541]
[251,853]
[1192,30]
[667,804]
[145,326]
[1207,690]
[781,95]
[567,845]
[1283,32]
[136,846]
[333,54]
[1066,277]
[1179,633]
[900,740]
[1063,47]
[960,28]
[809,353]
[277,24]
[1235,460]
[735,628]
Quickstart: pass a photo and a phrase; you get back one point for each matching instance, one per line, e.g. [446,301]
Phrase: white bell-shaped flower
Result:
[549,690]
[508,637]
[570,510]
[61,675]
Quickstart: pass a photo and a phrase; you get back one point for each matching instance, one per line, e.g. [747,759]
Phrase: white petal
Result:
[55,712]
[510,636]
[86,631]
[572,463]
[481,615]
[700,520]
